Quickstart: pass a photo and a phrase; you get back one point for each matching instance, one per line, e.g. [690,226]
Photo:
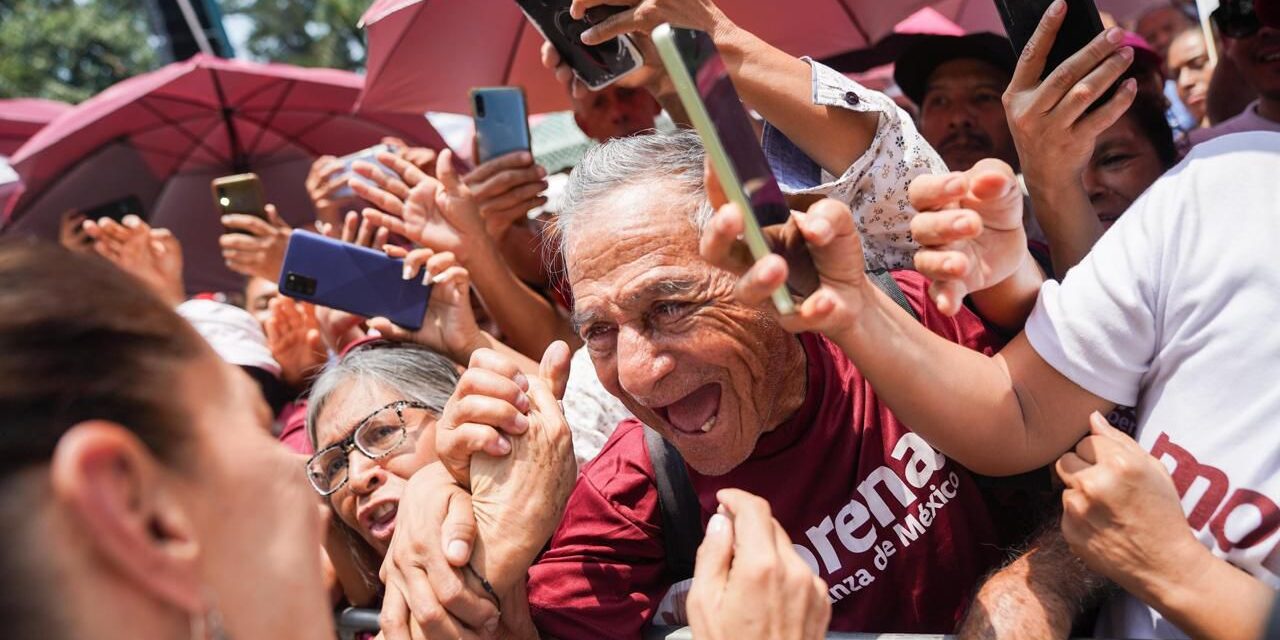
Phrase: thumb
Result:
[315,341]
[273,216]
[1099,426]
[458,533]
[832,239]
[715,191]
[554,368]
[715,555]
[388,329]
[994,193]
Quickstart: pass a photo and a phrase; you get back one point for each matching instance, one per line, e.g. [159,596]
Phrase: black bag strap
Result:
[681,513]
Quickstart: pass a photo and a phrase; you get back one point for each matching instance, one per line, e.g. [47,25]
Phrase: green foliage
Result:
[311,33]
[70,50]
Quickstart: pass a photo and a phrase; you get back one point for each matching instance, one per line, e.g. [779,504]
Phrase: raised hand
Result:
[449,326]
[153,256]
[71,234]
[440,215]
[252,246]
[505,189]
[295,340]
[325,179]
[420,157]
[969,229]
[644,15]
[749,582]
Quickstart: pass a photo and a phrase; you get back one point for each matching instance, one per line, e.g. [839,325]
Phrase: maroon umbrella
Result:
[425,54]
[21,118]
[162,136]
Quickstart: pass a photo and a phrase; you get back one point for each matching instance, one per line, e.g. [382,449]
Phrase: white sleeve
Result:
[1099,326]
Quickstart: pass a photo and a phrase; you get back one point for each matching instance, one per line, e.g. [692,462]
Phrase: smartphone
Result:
[117,209]
[598,66]
[1022,18]
[239,194]
[355,279]
[502,121]
[369,155]
[702,81]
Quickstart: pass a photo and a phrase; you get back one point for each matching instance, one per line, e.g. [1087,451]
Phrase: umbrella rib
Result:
[515,48]
[238,161]
[262,130]
[288,137]
[199,141]
[857,25]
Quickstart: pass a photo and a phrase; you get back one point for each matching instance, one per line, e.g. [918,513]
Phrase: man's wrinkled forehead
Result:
[967,73]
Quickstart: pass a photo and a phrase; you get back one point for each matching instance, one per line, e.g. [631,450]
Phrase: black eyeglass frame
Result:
[350,442]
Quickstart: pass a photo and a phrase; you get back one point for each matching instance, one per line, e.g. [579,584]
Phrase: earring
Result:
[208,625]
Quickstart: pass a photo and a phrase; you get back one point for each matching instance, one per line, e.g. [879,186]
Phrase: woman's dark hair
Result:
[79,340]
[1148,114]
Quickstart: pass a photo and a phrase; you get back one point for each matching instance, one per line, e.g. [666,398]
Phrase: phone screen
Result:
[596,65]
[239,194]
[1022,17]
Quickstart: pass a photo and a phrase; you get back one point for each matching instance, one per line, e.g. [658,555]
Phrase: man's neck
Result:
[1269,109]
[795,381]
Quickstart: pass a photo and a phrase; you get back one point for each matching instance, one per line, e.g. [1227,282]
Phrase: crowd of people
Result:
[1018,398]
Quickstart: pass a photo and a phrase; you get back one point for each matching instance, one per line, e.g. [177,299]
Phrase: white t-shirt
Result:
[1175,311]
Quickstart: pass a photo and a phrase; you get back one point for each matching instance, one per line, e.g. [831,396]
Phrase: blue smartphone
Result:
[351,278]
[502,121]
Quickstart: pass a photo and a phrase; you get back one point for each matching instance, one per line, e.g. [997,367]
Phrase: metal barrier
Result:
[352,622]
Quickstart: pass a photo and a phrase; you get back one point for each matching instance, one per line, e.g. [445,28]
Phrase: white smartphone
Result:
[597,66]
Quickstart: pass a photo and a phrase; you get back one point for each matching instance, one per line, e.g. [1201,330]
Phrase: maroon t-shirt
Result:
[900,533]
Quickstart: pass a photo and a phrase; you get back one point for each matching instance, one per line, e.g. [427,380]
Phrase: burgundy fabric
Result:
[294,433]
[163,136]
[831,473]
[424,55]
[21,118]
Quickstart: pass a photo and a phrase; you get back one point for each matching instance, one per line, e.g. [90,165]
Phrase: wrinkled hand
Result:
[449,326]
[1122,514]
[420,157]
[645,15]
[440,215]
[749,582]
[1052,128]
[969,229]
[71,233]
[153,256]
[824,239]
[651,76]
[518,498]
[295,340]
[260,247]
[427,595]
[505,189]
[325,179]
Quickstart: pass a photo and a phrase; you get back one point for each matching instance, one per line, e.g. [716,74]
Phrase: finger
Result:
[492,361]
[752,526]
[1102,118]
[390,330]
[1068,74]
[948,296]
[719,243]
[391,223]
[369,171]
[554,368]
[403,167]
[1036,53]
[550,57]
[501,164]
[393,620]
[458,533]
[945,227]
[395,251]
[491,412]
[715,554]
[942,265]
[937,192]
[239,242]
[832,239]
[456,276]
[327,230]
[380,236]
[715,190]
[615,25]
[1099,426]
[380,199]
[1069,467]
[350,226]
[757,285]
[457,445]
[273,217]
[492,384]
[329,167]
[440,264]
[250,224]
[509,187]
[517,212]
[447,174]
[415,260]
[364,235]
[1088,90]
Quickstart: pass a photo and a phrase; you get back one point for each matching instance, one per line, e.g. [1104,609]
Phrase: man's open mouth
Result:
[695,413]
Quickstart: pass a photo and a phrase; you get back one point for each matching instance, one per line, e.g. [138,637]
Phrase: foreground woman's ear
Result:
[103,476]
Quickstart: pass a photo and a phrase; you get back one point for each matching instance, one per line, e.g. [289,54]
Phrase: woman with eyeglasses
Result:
[141,491]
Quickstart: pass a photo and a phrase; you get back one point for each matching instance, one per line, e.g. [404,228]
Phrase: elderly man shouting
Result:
[897,533]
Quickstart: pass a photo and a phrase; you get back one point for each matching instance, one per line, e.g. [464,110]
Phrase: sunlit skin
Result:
[374,483]
[615,112]
[1258,59]
[1160,26]
[1191,68]
[1123,166]
[250,501]
[963,116]
[258,294]
[660,324]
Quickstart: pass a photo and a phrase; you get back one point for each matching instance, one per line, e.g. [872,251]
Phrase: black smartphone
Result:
[597,66]
[1022,18]
[351,278]
[117,209]
[502,121]
[702,81]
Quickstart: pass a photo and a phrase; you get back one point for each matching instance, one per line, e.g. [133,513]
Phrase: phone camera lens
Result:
[479,106]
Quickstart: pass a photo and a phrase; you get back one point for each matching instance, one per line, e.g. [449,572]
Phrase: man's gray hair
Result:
[414,372]
[655,158]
